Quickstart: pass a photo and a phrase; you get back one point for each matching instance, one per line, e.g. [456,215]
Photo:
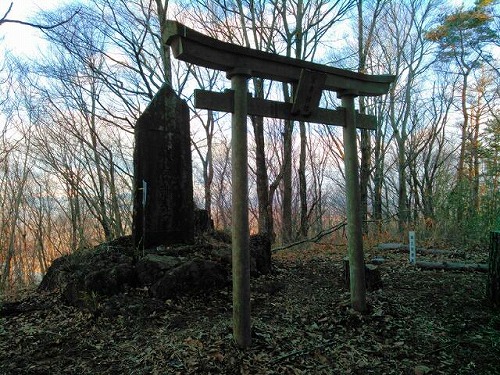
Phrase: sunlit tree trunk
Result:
[365,40]
[162,8]
[304,214]
[304,220]
[265,193]
[265,219]
[116,213]
[100,184]
[378,177]
[287,222]
[406,56]
[20,182]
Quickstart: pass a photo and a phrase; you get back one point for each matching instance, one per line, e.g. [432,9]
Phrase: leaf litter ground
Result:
[420,322]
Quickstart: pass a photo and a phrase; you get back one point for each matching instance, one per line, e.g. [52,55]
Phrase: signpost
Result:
[309,81]
[412,247]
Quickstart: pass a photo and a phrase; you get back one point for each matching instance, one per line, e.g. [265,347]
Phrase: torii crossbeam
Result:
[309,81]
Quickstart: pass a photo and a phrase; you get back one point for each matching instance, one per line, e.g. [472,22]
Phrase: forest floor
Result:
[419,322]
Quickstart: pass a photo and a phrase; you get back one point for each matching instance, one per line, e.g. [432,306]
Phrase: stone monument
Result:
[163,182]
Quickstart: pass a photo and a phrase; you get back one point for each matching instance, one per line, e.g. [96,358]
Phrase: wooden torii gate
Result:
[309,81]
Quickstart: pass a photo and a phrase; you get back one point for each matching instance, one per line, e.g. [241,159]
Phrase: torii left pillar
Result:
[240,231]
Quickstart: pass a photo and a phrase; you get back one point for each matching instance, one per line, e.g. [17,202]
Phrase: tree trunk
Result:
[475,156]
[118,229]
[286,231]
[493,286]
[207,160]
[304,225]
[378,176]
[6,273]
[74,212]
[210,165]
[364,46]
[463,141]
[303,228]
[354,234]
[265,220]
[39,234]
[402,191]
[463,145]
[100,185]
[364,171]
[364,176]
[162,7]
[287,183]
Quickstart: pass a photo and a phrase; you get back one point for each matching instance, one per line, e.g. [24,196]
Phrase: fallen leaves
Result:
[422,370]
[419,323]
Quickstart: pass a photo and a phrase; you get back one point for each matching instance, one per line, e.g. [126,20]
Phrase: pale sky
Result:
[23,39]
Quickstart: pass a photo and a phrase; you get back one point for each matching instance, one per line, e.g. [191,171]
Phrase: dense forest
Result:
[68,114]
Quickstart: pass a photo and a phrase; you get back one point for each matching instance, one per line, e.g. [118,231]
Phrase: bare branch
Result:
[4,19]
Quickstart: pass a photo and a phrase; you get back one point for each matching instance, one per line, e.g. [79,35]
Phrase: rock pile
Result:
[166,271]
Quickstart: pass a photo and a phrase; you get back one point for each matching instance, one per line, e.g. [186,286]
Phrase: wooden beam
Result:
[223,102]
[196,48]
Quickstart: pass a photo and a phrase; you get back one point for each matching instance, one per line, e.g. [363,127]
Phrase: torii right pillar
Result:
[353,196]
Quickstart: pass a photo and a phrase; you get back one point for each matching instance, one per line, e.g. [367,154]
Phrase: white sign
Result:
[413,251]
[144,192]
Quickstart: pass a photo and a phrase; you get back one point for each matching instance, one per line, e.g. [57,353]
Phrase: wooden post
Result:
[412,247]
[354,222]
[240,230]
[493,287]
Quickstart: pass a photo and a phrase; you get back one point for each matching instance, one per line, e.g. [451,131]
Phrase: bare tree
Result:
[18,175]
[4,19]
[462,38]
[366,30]
[406,54]
[305,24]
[295,28]
[203,144]
[428,151]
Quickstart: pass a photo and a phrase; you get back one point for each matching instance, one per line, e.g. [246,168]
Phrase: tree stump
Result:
[493,286]
[373,278]
[203,223]
[260,254]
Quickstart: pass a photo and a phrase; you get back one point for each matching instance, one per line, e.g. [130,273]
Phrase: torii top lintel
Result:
[196,48]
